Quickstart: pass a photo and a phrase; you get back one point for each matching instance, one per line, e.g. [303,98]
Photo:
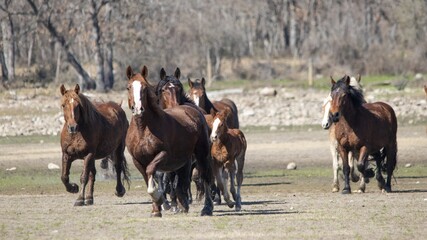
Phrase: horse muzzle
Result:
[72,129]
[335,117]
[326,125]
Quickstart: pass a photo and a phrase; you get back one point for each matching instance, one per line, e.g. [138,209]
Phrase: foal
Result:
[228,149]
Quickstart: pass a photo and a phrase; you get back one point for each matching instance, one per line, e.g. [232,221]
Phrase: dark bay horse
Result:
[165,140]
[363,129]
[91,131]
[198,94]
[228,150]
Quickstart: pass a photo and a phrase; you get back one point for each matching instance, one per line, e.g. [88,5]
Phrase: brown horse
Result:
[363,129]
[91,131]
[228,149]
[165,140]
[198,94]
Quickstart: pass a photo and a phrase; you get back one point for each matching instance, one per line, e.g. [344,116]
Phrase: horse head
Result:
[326,120]
[70,103]
[137,90]
[219,124]
[197,90]
[170,90]
[339,92]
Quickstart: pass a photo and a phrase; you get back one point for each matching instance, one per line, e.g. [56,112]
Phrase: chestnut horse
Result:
[197,92]
[165,140]
[228,150]
[91,131]
[336,160]
[364,129]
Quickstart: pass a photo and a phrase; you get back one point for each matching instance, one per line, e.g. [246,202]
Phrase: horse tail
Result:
[126,172]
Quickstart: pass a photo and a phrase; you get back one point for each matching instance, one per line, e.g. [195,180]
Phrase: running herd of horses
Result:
[176,137]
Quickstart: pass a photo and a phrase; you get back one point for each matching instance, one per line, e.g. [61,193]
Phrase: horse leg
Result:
[353,176]
[152,189]
[346,170]
[240,164]
[232,173]
[65,176]
[391,164]
[335,165]
[361,166]
[222,179]
[120,165]
[88,200]
[163,181]
[84,178]
[182,186]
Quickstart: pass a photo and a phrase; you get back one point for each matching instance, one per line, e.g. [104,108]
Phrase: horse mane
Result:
[183,98]
[208,104]
[90,112]
[354,91]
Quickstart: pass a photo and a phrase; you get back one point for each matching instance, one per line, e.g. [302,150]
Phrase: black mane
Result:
[183,97]
[355,94]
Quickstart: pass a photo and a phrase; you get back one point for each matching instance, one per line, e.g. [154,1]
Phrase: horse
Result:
[197,92]
[165,140]
[363,129]
[228,149]
[170,93]
[336,160]
[91,131]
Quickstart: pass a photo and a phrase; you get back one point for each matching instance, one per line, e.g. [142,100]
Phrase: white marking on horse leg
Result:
[215,128]
[152,190]
[335,164]
[137,96]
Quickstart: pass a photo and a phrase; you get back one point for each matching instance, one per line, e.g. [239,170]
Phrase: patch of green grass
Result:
[29,139]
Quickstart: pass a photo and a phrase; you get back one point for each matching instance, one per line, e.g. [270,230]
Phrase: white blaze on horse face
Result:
[196,99]
[326,121]
[71,107]
[215,125]
[136,86]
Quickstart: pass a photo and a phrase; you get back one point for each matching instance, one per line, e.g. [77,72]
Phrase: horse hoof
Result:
[230,204]
[79,203]
[120,193]
[88,202]
[206,212]
[387,189]
[369,173]
[74,188]
[156,214]
[166,206]
[346,191]
[335,189]
[238,208]
[174,209]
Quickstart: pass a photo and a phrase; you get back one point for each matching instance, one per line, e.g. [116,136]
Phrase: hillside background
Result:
[92,41]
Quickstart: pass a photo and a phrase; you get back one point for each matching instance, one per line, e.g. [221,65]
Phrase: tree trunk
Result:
[86,81]
[109,68]
[8,47]
[99,58]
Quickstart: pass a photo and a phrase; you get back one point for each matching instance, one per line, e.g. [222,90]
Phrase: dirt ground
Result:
[277,203]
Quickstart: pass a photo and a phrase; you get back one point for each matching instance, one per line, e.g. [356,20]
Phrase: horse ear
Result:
[129,72]
[359,78]
[177,73]
[62,89]
[203,81]
[190,83]
[162,74]
[77,89]
[332,81]
[347,79]
[144,71]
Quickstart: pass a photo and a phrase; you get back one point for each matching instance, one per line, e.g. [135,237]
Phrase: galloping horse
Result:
[364,129]
[336,160]
[228,149]
[165,140]
[198,94]
[91,131]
